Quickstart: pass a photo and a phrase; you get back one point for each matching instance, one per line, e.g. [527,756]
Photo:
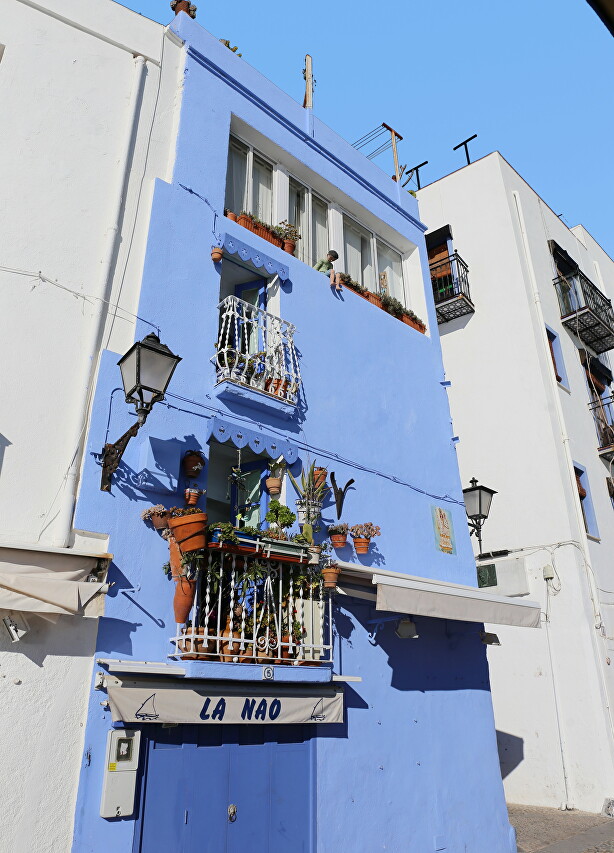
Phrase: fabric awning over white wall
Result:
[420,597]
[44,582]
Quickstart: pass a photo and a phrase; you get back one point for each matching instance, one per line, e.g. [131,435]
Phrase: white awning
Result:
[421,597]
[41,581]
[417,596]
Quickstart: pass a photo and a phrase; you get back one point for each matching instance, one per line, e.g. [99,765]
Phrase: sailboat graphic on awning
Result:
[318,711]
[147,711]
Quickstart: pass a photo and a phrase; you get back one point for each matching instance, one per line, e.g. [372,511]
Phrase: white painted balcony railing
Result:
[256,349]
[253,610]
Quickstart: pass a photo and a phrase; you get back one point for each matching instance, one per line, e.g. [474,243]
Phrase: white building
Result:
[86,124]
[530,399]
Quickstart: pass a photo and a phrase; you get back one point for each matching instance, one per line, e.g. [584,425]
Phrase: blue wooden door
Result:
[193,774]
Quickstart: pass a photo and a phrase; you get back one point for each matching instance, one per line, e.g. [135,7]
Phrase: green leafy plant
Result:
[250,531]
[276,533]
[301,539]
[287,231]
[307,490]
[364,531]
[280,515]
[254,571]
[392,305]
[227,533]
[339,529]
[166,568]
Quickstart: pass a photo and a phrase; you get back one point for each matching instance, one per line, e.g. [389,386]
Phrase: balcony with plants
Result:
[256,350]
[450,282]
[585,311]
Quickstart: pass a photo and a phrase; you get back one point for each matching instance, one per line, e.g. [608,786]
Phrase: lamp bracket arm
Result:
[112,454]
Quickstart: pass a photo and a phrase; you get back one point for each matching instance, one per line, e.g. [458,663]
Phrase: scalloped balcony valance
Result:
[258,259]
[259,442]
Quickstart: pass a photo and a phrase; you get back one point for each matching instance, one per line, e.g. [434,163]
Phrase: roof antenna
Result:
[308,75]
[464,142]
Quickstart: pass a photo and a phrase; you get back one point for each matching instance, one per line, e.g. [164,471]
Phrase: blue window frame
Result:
[557,357]
[588,511]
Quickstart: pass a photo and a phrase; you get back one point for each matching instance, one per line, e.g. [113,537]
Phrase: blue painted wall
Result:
[414,767]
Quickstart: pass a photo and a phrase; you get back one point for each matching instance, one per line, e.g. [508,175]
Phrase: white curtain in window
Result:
[236,178]
[298,216]
[262,181]
[319,230]
[389,262]
[358,263]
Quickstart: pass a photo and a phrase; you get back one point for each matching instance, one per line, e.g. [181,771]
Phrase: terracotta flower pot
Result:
[330,575]
[277,241]
[174,558]
[192,496]
[193,643]
[232,216]
[419,327]
[361,546]
[216,254]
[192,464]
[185,590]
[190,531]
[373,298]
[273,486]
[160,520]
[289,246]
[339,540]
[319,476]
[262,231]
[244,220]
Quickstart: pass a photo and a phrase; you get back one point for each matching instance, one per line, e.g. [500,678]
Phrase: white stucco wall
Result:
[67,74]
[550,687]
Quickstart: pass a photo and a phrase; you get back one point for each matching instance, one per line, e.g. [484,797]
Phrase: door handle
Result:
[232,813]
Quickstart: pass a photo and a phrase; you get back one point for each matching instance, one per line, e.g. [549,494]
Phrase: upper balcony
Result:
[256,350]
[585,311]
[603,414]
[450,281]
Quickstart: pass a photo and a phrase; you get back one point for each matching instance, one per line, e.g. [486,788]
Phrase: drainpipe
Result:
[63,522]
[592,586]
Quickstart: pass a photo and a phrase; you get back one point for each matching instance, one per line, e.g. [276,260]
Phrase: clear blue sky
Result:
[533,78]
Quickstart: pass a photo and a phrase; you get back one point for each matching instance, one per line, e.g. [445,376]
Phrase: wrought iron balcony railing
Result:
[450,281]
[585,311]
[603,414]
[256,349]
[248,609]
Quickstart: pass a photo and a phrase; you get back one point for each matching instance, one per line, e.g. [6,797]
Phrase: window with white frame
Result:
[249,182]
[366,254]
[310,215]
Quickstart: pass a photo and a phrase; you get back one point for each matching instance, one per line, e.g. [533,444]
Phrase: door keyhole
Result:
[232,812]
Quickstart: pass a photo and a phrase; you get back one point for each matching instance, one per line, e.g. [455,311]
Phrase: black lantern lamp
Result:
[146,371]
[477,505]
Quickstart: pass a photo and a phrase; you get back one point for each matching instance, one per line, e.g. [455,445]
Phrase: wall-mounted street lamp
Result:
[146,370]
[477,505]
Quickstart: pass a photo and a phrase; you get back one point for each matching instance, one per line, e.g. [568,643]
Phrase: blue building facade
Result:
[411,764]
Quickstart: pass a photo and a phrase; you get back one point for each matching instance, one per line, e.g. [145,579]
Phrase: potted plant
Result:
[330,575]
[277,236]
[338,534]
[192,495]
[232,216]
[413,320]
[392,306]
[362,535]
[290,236]
[158,515]
[279,516]
[273,481]
[217,253]
[311,495]
[189,527]
[245,219]
[192,463]
[185,584]
[319,476]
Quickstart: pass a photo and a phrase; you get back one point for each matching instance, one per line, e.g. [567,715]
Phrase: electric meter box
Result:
[121,767]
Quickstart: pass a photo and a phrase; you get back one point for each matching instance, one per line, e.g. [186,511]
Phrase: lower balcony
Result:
[603,415]
[254,604]
[255,350]
[585,311]
[450,282]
